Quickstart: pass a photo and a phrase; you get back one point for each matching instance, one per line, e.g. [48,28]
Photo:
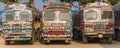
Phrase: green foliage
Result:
[112,2]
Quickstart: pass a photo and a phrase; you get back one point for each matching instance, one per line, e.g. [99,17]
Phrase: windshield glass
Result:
[23,1]
[64,15]
[9,16]
[91,15]
[24,16]
[106,15]
[49,16]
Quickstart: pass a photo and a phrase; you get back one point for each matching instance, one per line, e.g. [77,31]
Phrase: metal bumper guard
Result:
[57,37]
[17,38]
[96,33]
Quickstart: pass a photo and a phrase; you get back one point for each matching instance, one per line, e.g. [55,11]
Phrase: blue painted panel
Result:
[0,17]
[117,13]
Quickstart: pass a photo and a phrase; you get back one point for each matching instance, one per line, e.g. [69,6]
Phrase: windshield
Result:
[23,1]
[9,16]
[91,15]
[64,15]
[24,16]
[49,16]
[106,15]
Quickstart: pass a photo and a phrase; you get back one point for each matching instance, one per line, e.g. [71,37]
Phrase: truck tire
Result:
[31,42]
[43,41]
[7,42]
[69,42]
[109,39]
[85,39]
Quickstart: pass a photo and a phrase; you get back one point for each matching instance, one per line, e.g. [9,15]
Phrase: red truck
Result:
[56,23]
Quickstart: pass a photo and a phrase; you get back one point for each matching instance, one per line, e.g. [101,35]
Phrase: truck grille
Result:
[57,33]
[57,24]
[57,29]
[16,28]
[99,28]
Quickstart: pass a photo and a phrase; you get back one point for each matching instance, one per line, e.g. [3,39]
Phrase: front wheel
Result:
[109,39]
[7,42]
[68,42]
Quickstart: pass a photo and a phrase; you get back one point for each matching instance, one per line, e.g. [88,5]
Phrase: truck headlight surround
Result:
[47,24]
[29,35]
[64,24]
[89,29]
[111,29]
[68,30]
[69,24]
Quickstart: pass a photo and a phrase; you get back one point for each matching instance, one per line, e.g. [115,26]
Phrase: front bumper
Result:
[17,38]
[96,33]
[57,37]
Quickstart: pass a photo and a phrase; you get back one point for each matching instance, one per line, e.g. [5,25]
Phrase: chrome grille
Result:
[16,28]
[57,29]
[57,24]
[99,28]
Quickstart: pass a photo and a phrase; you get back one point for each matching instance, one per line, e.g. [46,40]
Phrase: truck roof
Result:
[17,6]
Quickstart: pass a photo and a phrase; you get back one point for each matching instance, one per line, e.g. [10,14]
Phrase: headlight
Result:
[68,30]
[45,35]
[63,27]
[6,30]
[29,26]
[5,35]
[28,31]
[45,30]
[28,35]
[89,29]
[111,29]
[9,32]
[47,24]
[69,24]
[64,24]
[107,29]
[23,31]
[68,34]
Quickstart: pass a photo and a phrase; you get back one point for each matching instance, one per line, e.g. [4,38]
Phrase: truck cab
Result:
[96,21]
[57,23]
[17,23]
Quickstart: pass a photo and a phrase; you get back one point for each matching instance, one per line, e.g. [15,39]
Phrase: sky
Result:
[38,4]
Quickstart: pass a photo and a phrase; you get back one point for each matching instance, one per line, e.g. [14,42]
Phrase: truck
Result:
[56,23]
[0,23]
[17,23]
[116,9]
[95,21]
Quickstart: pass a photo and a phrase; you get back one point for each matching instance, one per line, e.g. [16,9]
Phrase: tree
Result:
[112,2]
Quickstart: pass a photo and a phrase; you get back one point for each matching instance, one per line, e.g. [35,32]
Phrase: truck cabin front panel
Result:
[17,23]
[57,23]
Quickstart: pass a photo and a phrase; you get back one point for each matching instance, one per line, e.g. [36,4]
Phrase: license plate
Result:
[100,35]
[16,37]
[57,36]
